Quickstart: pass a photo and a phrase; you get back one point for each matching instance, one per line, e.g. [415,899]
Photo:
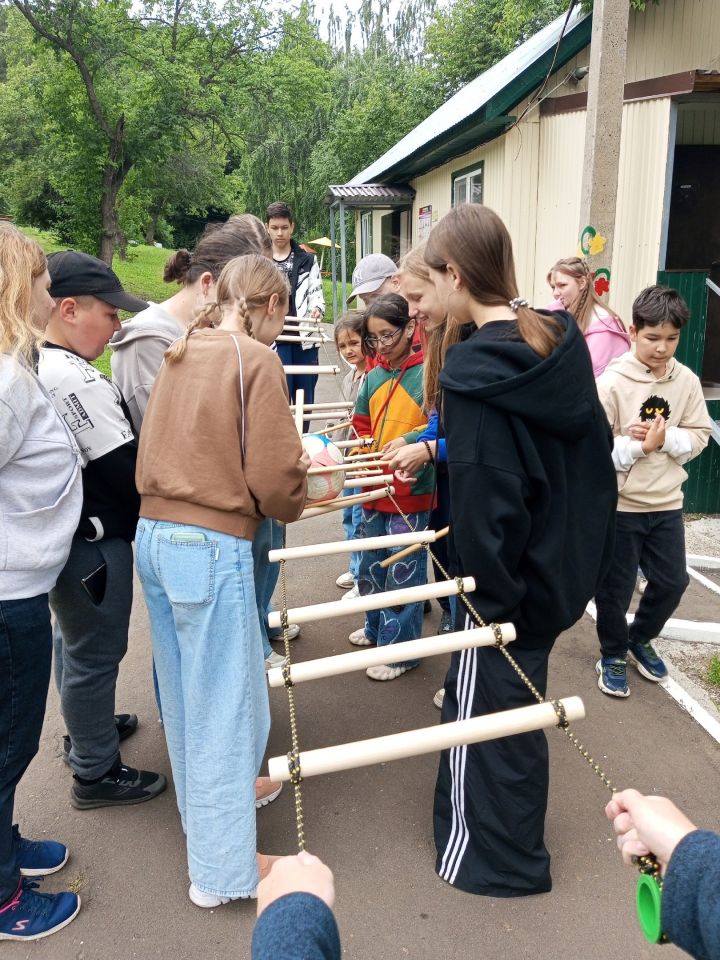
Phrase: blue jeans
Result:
[655,541]
[392,624]
[25,657]
[208,654]
[292,354]
[352,518]
[268,536]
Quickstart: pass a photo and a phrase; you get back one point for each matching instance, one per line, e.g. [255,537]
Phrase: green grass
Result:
[713,672]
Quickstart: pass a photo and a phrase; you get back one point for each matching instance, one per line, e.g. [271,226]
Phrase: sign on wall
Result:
[425,222]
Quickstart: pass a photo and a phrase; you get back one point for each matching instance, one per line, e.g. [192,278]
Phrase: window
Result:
[366,233]
[468,185]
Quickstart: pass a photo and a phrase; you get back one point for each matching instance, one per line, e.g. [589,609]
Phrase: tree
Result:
[150,82]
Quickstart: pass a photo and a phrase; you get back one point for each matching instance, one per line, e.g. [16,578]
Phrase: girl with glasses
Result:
[390,406]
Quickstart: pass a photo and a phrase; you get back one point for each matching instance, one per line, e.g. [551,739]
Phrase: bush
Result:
[713,672]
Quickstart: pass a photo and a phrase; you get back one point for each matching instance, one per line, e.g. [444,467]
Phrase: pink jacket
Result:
[606,337]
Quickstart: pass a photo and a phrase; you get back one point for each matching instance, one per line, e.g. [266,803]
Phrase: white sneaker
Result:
[384,672]
[439,697]
[345,581]
[352,593]
[358,638]
[266,790]
[274,660]
[293,632]
[207,900]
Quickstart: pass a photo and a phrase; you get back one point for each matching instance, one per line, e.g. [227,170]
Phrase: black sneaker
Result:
[427,608]
[126,723]
[120,786]
[446,622]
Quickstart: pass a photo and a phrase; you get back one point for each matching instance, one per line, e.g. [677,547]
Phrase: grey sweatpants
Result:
[89,643]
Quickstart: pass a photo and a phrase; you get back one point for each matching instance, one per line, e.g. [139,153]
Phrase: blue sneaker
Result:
[31,916]
[612,676]
[649,664]
[38,858]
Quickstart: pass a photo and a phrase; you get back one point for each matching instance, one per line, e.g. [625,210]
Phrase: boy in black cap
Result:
[93,596]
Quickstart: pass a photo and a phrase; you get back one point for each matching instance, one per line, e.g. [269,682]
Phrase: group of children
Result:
[490,420]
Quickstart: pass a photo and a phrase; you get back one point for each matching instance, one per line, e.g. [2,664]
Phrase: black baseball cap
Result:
[74,274]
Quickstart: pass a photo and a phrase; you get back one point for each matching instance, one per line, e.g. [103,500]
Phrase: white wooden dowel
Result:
[352,457]
[368,481]
[331,405]
[310,368]
[284,338]
[373,601]
[339,503]
[326,415]
[348,467]
[350,546]
[344,444]
[299,400]
[411,650]
[306,319]
[413,743]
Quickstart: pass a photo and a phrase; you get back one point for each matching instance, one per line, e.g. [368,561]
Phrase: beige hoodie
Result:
[630,392]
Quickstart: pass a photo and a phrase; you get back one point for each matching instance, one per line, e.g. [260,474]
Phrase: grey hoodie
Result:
[137,355]
[40,485]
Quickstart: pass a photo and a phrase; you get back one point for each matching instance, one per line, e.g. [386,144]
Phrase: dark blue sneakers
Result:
[38,858]
[612,676]
[649,664]
[29,915]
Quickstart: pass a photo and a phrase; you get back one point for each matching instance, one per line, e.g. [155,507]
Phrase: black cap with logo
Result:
[75,274]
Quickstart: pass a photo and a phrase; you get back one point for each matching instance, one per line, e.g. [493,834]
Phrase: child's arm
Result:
[627,450]
[691,436]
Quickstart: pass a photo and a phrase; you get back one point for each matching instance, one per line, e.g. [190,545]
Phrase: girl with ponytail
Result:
[218,454]
[532,496]
[138,349]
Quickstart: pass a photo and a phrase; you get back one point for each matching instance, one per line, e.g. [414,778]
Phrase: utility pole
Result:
[603,125]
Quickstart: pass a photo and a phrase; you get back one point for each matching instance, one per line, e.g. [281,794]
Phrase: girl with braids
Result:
[138,349]
[219,452]
[529,457]
[41,499]
[605,335]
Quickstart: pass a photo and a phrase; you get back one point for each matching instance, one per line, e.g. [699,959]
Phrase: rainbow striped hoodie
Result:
[389,405]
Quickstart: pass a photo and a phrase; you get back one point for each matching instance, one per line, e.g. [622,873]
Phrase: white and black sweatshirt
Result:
[94,410]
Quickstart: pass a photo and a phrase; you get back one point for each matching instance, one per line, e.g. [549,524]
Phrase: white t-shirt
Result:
[88,401]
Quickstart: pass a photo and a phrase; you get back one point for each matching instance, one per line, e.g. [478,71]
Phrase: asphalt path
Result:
[373,825]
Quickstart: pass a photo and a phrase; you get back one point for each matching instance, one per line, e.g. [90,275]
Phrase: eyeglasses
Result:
[385,340]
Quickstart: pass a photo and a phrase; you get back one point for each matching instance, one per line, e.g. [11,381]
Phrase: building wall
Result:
[673,36]
[698,124]
[558,195]
[644,146]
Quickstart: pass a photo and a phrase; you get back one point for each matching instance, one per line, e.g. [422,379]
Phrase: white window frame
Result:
[366,233]
[464,181]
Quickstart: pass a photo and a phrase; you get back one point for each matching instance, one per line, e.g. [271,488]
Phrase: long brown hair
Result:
[249,281]
[218,245]
[437,340]
[21,263]
[476,240]
[578,269]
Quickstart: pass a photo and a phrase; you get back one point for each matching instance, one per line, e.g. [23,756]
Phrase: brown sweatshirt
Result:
[219,448]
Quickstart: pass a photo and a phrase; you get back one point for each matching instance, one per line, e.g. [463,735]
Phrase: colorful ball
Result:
[323,453]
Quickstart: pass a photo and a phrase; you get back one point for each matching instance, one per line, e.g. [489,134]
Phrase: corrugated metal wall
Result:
[672,36]
[698,124]
[641,197]
[558,195]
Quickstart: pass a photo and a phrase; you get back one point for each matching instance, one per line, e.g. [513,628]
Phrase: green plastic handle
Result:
[648,899]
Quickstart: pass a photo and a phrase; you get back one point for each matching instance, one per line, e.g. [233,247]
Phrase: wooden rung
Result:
[443,643]
[413,743]
[373,601]
[350,546]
